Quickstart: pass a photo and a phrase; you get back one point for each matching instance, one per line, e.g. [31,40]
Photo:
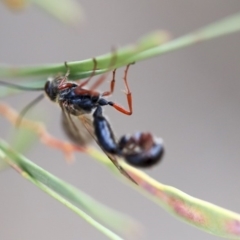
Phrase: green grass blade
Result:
[78,211]
[82,69]
[22,139]
[148,47]
[223,27]
[67,11]
[69,195]
[201,214]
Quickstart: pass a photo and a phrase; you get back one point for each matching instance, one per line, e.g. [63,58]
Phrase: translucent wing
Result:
[75,129]
[80,131]
[89,126]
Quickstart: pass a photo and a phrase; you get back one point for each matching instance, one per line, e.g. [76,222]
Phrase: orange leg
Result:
[64,78]
[128,94]
[112,85]
[79,87]
[95,85]
[98,82]
[104,76]
[68,69]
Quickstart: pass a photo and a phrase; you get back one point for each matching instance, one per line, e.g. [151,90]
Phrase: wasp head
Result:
[52,87]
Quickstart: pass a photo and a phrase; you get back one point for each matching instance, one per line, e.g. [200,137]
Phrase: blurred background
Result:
[189,97]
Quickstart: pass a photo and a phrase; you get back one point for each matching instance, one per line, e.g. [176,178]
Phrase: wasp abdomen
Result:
[104,132]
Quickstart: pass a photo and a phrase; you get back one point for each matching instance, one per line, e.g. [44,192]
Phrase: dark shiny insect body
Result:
[140,149]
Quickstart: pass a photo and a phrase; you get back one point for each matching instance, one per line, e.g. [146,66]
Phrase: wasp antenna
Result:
[16,86]
[25,109]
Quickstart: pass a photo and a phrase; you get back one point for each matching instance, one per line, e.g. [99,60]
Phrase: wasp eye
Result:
[46,87]
[50,90]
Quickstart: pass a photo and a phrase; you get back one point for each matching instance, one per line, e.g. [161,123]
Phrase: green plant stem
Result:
[224,27]
[48,182]
[150,46]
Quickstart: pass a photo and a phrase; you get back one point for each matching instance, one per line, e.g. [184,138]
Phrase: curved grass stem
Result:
[152,45]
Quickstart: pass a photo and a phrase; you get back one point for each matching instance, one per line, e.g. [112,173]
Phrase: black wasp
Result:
[140,149]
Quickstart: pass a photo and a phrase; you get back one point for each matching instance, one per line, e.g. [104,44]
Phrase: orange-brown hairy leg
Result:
[65,77]
[128,94]
[104,76]
[68,69]
[91,76]
[98,82]
[112,85]
[79,88]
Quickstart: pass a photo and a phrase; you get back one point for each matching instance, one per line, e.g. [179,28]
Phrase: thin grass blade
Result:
[152,45]
[82,69]
[67,11]
[117,221]
[201,214]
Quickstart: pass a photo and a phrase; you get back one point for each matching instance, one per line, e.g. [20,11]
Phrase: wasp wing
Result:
[89,126]
[80,130]
[75,129]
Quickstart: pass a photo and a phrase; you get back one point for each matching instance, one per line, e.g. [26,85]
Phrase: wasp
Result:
[140,149]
